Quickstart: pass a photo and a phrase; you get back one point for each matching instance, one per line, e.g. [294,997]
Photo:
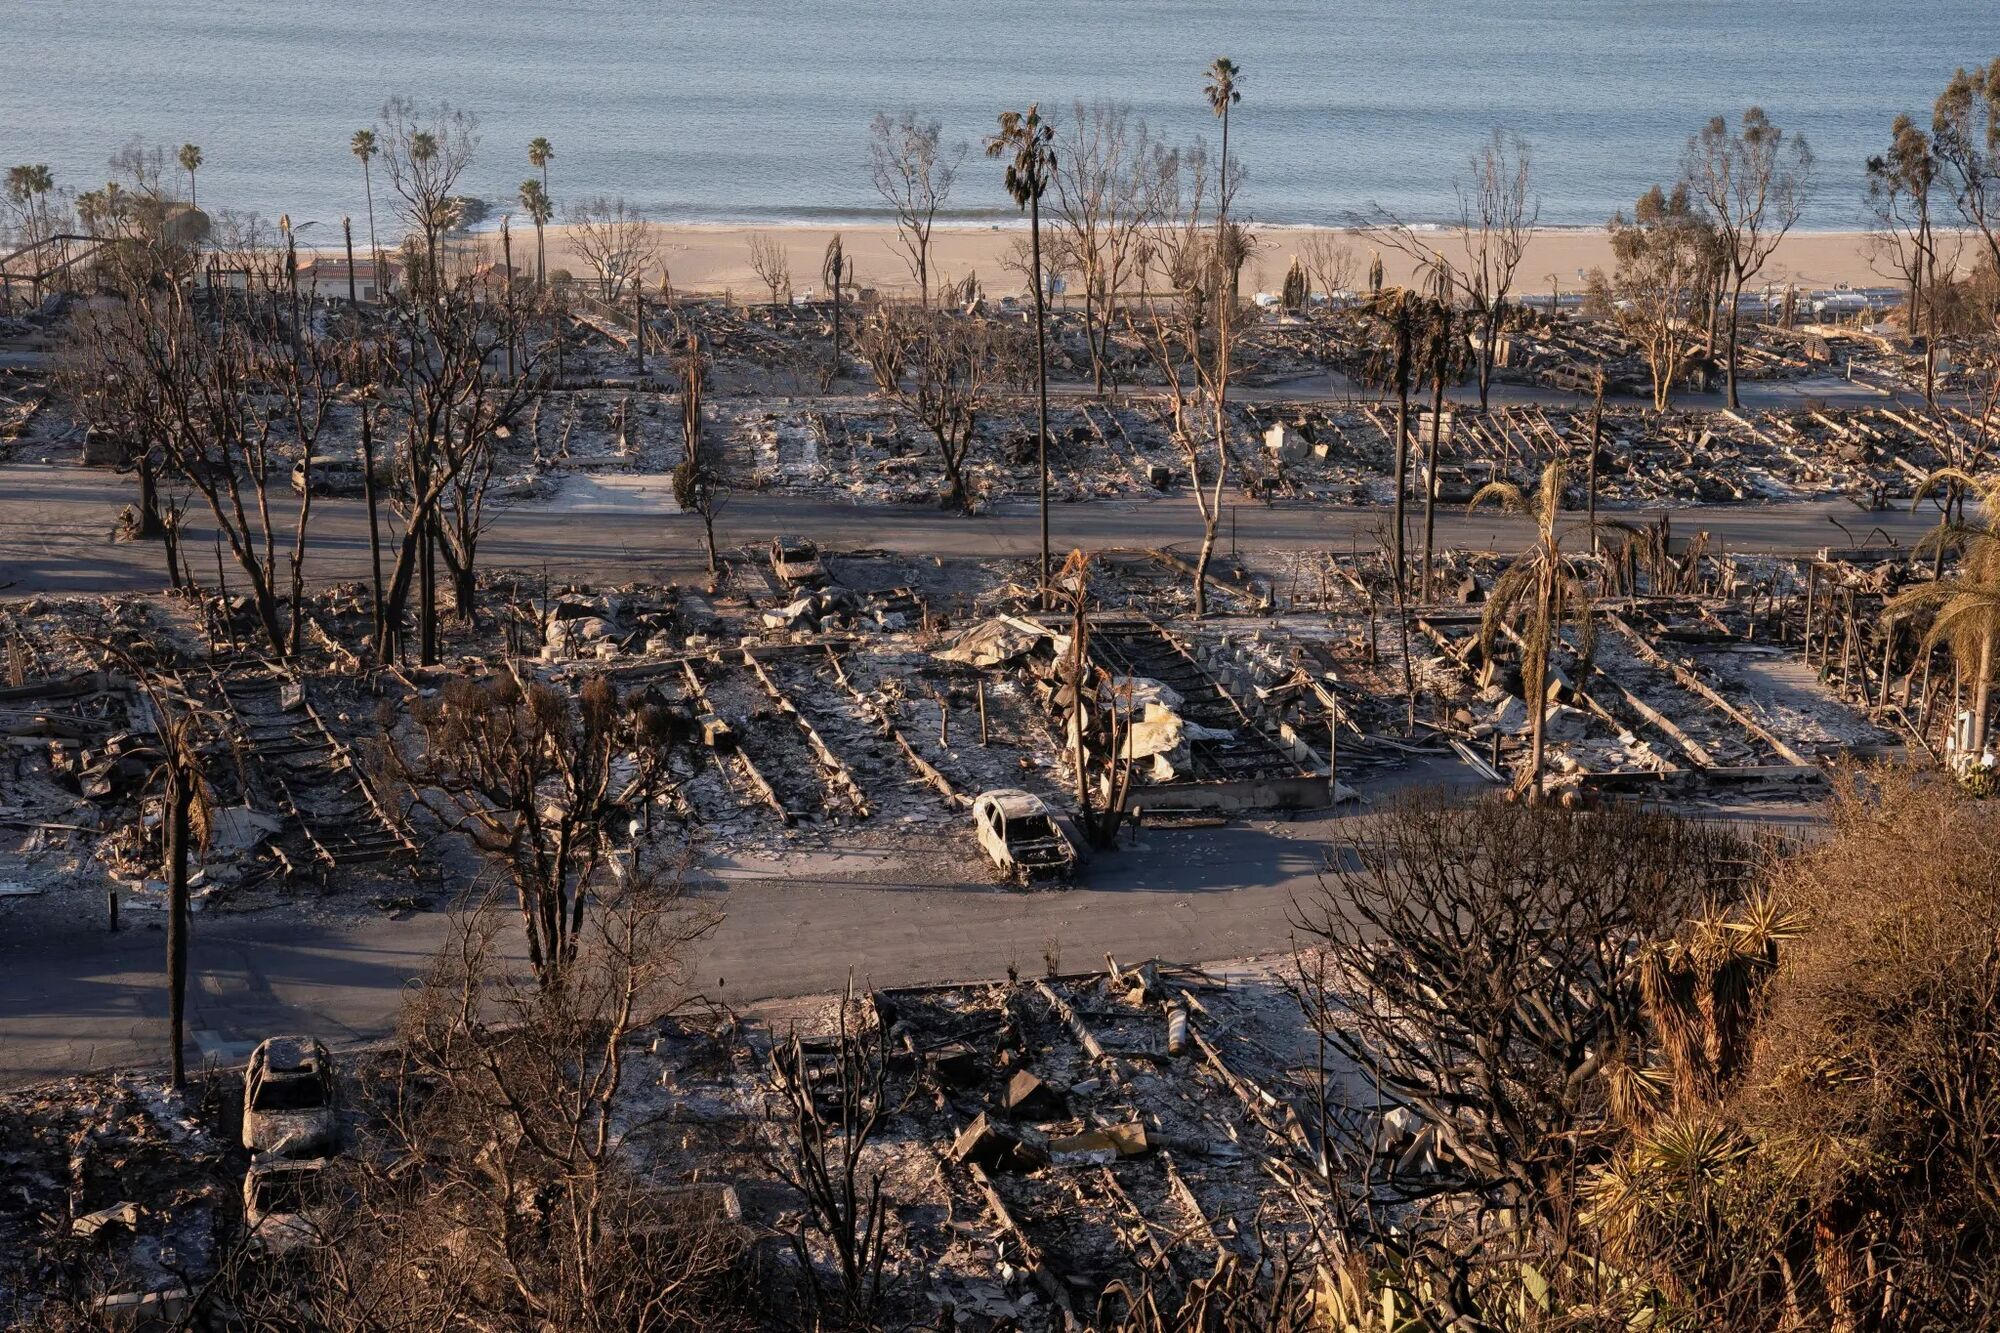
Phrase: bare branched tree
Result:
[1662,265]
[1179,321]
[1110,175]
[770,263]
[1479,970]
[833,1104]
[941,368]
[1331,260]
[1965,137]
[614,239]
[1902,184]
[1751,184]
[452,397]
[499,1179]
[236,389]
[1497,215]
[426,151]
[913,170]
[544,784]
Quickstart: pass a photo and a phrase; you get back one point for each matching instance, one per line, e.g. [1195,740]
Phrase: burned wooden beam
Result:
[837,774]
[1695,684]
[931,777]
[758,782]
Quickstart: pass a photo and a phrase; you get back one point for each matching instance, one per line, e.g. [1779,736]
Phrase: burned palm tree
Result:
[1222,94]
[364,147]
[535,201]
[1027,137]
[190,159]
[1542,588]
[834,270]
[187,802]
[540,153]
[1965,606]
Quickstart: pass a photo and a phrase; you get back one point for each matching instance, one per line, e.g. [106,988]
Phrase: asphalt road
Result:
[75,997]
[55,522]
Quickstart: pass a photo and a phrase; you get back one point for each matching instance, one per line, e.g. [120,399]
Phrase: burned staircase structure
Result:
[294,763]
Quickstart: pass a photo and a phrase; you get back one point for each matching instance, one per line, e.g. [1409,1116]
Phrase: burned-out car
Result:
[289,1098]
[1024,837]
[796,562]
[285,1202]
[331,476]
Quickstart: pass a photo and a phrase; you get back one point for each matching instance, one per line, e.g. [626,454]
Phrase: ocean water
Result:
[757,110]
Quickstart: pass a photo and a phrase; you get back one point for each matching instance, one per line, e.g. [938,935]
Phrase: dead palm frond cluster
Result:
[1542,588]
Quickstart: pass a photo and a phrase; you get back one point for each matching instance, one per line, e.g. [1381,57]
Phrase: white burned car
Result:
[286,1202]
[1024,837]
[289,1098]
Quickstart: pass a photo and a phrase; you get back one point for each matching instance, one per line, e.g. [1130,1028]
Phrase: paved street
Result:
[54,522]
[75,997]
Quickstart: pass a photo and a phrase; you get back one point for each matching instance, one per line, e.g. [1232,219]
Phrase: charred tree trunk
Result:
[1439,365]
[150,526]
[1489,346]
[1402,446]
[374,532]
[1209,525]
[1735,335]
[427,638]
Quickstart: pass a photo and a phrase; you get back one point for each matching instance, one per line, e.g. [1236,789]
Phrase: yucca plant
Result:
[1700,990]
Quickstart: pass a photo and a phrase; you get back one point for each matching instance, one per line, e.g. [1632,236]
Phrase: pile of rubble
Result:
[1047,1138]
[114,1190]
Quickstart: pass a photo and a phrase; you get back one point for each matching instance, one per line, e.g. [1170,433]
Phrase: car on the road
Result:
[1024,837]
[796,562]
[330,476]
[286,1202]
[289,1098]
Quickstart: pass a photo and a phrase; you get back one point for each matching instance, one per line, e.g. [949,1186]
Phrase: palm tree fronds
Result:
[1506,494]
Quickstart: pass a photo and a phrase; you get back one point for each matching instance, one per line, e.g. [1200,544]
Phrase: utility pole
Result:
[507,275]
[347,234]
[1596,444]
[639,317]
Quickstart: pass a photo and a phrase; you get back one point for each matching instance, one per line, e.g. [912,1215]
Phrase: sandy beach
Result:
[715,258]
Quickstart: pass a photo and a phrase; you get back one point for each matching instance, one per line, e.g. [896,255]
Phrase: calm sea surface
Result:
[723,110]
